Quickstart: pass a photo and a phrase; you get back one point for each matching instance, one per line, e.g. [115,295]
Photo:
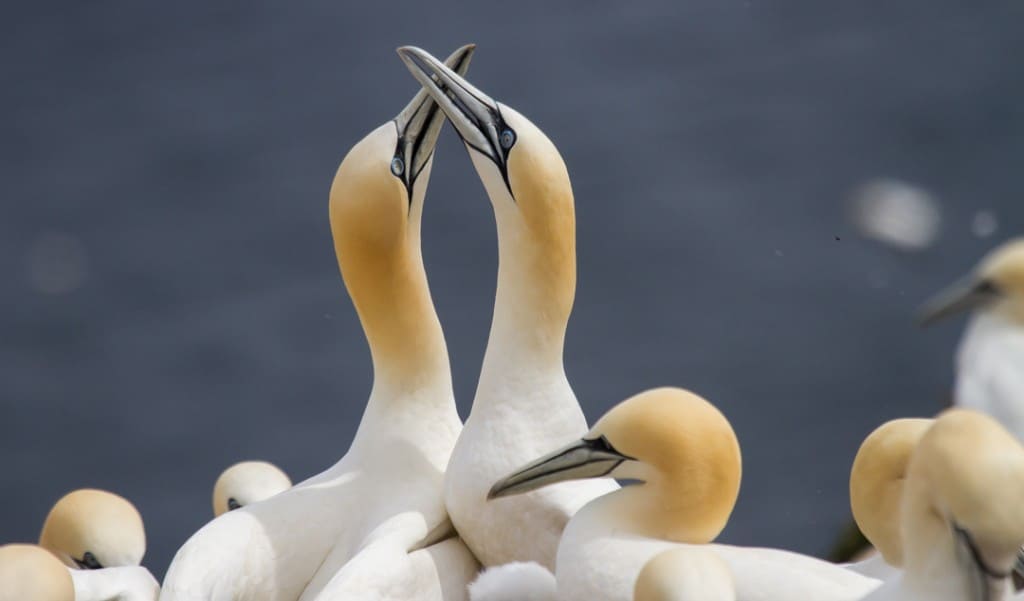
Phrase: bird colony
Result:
[521,501]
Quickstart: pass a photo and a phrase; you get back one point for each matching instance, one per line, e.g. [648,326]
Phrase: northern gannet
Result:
[31,573]
[524,404]
[686,458]
[362,529]
[100,537]
[685,574]
[876,492]
[960,519]
[990,358]
[247,482]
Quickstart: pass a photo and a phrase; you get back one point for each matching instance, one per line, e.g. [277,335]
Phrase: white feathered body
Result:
[379,500]
[123,583]
[538,413]
[600,561]
[990,369]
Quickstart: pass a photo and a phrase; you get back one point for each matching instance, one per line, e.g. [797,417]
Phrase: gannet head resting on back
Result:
[247,482]
[997,284]
[876,483]
[92,529]
[685,574]
[523,404]
[680,448]
[31,573]
[961,520]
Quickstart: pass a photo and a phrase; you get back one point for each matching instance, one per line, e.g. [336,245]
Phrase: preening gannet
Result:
[685,574]
[960,521]
[524,404]
[100,537]
[31,573]
[990,358]
[686,457]
[363,529]
[876,492]
[247,482]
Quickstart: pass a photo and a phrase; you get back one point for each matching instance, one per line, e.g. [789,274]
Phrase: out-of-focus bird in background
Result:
[990,357]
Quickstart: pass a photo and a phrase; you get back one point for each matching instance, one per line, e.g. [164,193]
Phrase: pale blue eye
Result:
[397,166]
[507,139]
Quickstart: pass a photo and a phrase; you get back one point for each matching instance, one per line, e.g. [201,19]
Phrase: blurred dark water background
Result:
[171,302]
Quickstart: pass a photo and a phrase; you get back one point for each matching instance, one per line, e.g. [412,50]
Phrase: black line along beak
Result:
[419,125]
[1018,571]
[475,116]
[585,458]
[984,575]
[965,295]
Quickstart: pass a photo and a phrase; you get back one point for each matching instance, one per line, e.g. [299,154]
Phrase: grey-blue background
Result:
[171,303]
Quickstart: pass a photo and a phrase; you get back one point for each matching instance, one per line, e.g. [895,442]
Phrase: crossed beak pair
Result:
[475,116]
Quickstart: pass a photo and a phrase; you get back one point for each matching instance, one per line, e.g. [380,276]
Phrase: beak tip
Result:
[494,493]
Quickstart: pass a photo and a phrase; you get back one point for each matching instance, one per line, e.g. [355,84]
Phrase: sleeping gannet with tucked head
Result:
[960,520]
[31,573]
[523,403]
[100,537]
[876,491]
[685,574]
[990,359]
[686,457]
[247,482]
[364,528]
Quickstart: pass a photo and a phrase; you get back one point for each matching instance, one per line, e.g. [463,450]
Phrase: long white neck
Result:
[536,287]
[412,385]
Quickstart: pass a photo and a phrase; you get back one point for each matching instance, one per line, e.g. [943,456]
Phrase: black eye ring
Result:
[507,138]
[233,504]
[397,166]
